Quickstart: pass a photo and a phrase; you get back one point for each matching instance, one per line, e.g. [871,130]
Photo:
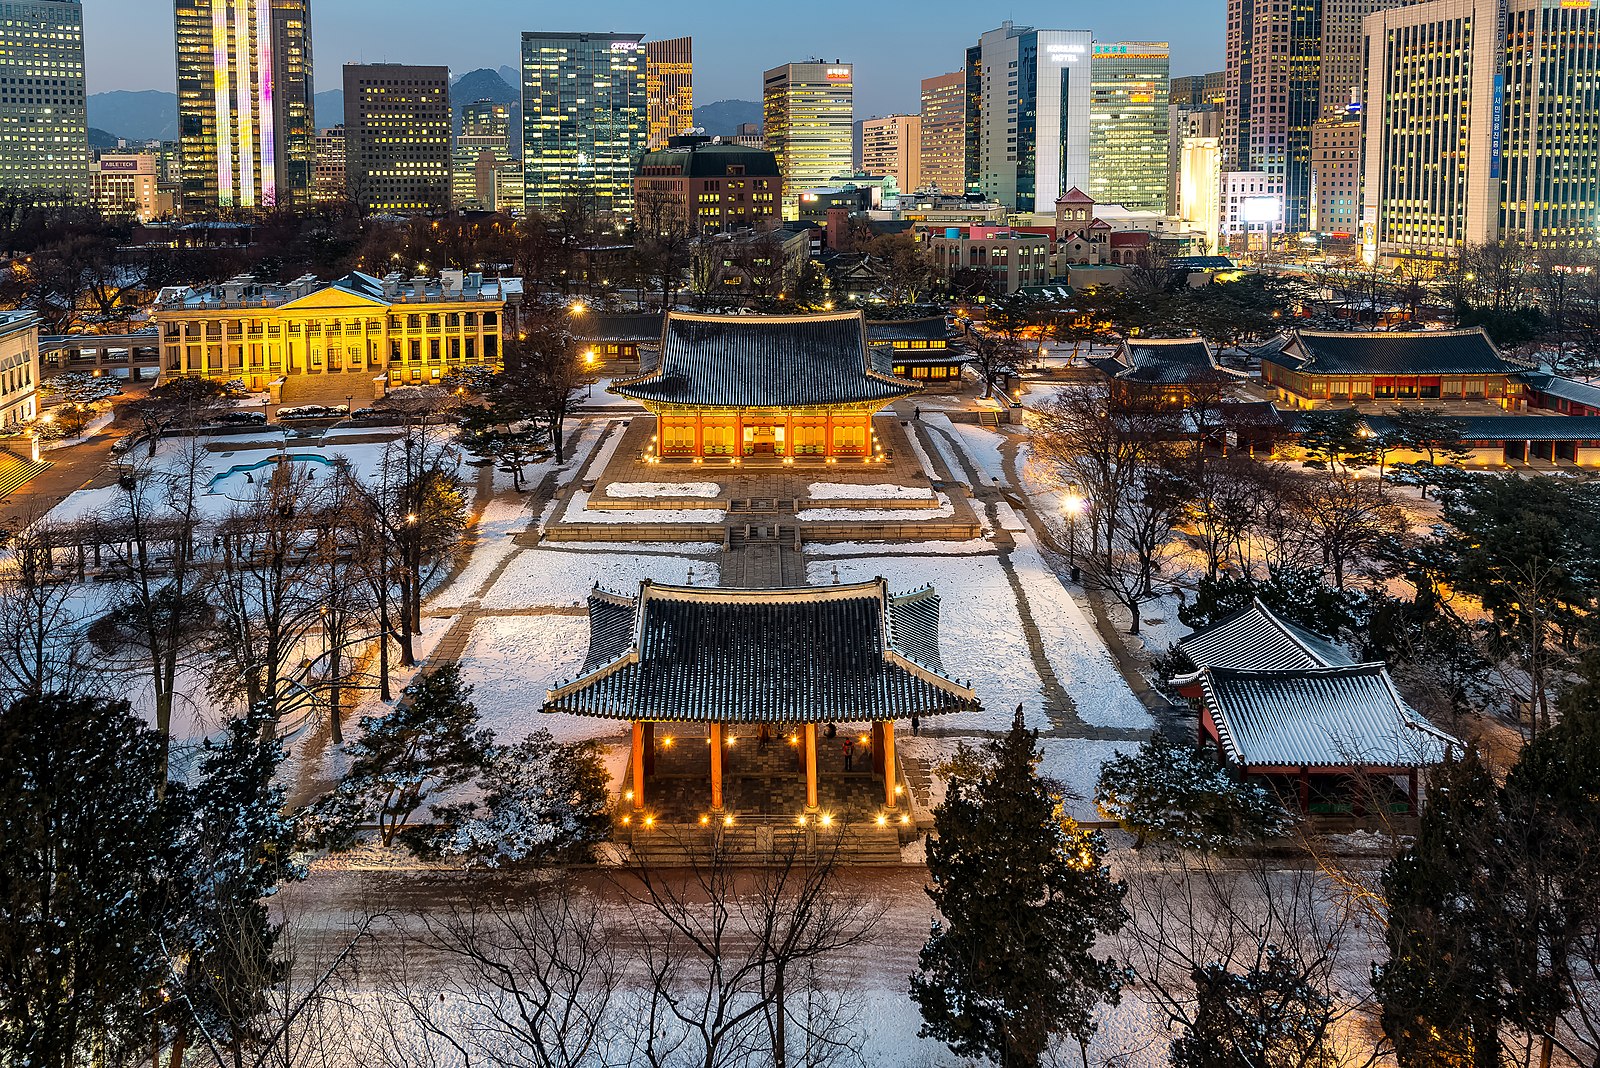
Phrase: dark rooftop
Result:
[809,655]
[593,327]
[749,361]
[712,161]
[1258,639]
[1165,362]
[1447,352]
[932,328]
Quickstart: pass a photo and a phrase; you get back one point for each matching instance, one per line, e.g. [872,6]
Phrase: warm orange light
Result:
[704,820]
[727,821]
[649,821]
[863,739]
[827,819]
[667,741]
[801,821]
[628,795]
[883,821]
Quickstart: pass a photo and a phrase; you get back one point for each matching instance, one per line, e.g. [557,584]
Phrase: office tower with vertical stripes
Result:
[44,130]
[669,83]
[244,104]
[809,115]
[944,133]
[585,118]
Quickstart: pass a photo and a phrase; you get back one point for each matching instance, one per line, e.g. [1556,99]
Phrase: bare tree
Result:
[724,947]
[43,619]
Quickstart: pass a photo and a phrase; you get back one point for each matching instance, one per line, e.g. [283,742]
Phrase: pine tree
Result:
[88,870]
[1268,1016]
[542,802]
[240,848]
[1170,793]
[427,745]
[1024,893]
[1439,988]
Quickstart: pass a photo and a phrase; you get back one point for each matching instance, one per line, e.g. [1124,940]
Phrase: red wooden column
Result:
[716,767]
[811,767]
[638,764]
[886,746]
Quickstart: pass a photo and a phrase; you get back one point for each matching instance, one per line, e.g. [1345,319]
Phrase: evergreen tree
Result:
[240,848]
[1272,1016]
[1439,988]
[1171,793]
[1024,894]
[542,802]
[90,865]
[427,745]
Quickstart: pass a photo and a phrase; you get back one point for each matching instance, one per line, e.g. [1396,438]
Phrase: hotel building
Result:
[1028,103]
[1501,98]
[126,186]
[809,115]
[397,127]
[944,133]
[669,84]
[327,177]
[309,342]
[44,128]
[1130,84]
[892,145]
[244,104]
[585,117]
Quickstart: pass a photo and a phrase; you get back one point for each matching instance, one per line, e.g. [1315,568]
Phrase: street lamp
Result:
[1073,505]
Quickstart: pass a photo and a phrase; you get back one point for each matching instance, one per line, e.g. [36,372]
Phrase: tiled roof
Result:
[1566,388]
[1166,362]
[1319,718]
[1258,640]
[749,361]
[933,328]
[1425,352]
[1510,427]
[618,327]
[809,655]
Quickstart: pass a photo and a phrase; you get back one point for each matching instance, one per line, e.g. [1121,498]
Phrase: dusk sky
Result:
[893,45]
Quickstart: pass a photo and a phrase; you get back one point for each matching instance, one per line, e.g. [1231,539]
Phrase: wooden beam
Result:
[886,738]
[638,764]
[811,767]
[716,767]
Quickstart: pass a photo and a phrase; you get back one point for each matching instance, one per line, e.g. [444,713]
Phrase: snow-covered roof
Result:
[807,655]
[1257,639]
[1346,716]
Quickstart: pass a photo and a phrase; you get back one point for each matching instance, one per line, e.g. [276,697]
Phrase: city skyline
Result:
[733,43]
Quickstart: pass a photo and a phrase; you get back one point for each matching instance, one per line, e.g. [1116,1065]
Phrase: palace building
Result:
[1311,369]
[1293,710]
[789,387]
[921,350]
[1168,372]
[355,337]
[713,663]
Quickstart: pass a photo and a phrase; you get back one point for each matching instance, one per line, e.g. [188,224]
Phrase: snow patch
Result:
[578,511]
[663,489]
[877,515]
[550,577]
[845,491]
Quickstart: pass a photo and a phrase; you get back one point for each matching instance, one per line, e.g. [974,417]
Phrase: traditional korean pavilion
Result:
[921,350]
[789,386]
[743,659]
[1289,706]
[1312,368]
[1168,372]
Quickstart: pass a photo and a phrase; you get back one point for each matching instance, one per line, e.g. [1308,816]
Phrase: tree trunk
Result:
[779,1038]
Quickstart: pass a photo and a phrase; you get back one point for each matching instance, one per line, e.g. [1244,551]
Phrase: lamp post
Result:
[1072,505]
[588,365]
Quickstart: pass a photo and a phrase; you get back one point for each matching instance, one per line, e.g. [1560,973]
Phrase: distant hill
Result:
[99,138]
[723,118]
[327,108]
[486,84]
[511,76]
[148,116]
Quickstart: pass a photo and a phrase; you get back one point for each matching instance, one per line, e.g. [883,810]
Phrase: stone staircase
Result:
[16,472]
[330,389]
[758,840]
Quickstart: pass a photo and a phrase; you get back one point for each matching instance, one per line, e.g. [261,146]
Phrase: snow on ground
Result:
[981,446]
[512,660]
[663,490]
[504,516]
[876,515]
[1074,647]
[980,631]
[578,511]
[599,397]
[947,451]
[1076,763]
[546,577]
[846,491]
[898,548]
[922,456]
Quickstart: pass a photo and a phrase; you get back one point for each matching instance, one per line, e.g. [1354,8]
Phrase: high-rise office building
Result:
[244,103]
[327,176]
[1340,69]
[1130,84]
[483,160]
[1274,95]
[585,117]
[1028,115]
[1199,89]
[808,111]
[1336,176]
[397,125]
[892,145]
[44,128]
[1499,98]
[944,133]
[669,83]
[1193,137]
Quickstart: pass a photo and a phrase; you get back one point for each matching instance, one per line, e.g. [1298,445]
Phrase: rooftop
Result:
[711,160]
[1173,361]
[1567,389]
[600,327]
[1258,639]
[1443,352]
[734,656]
[246,291]
[932,328]
[1322,717]
[777,361]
